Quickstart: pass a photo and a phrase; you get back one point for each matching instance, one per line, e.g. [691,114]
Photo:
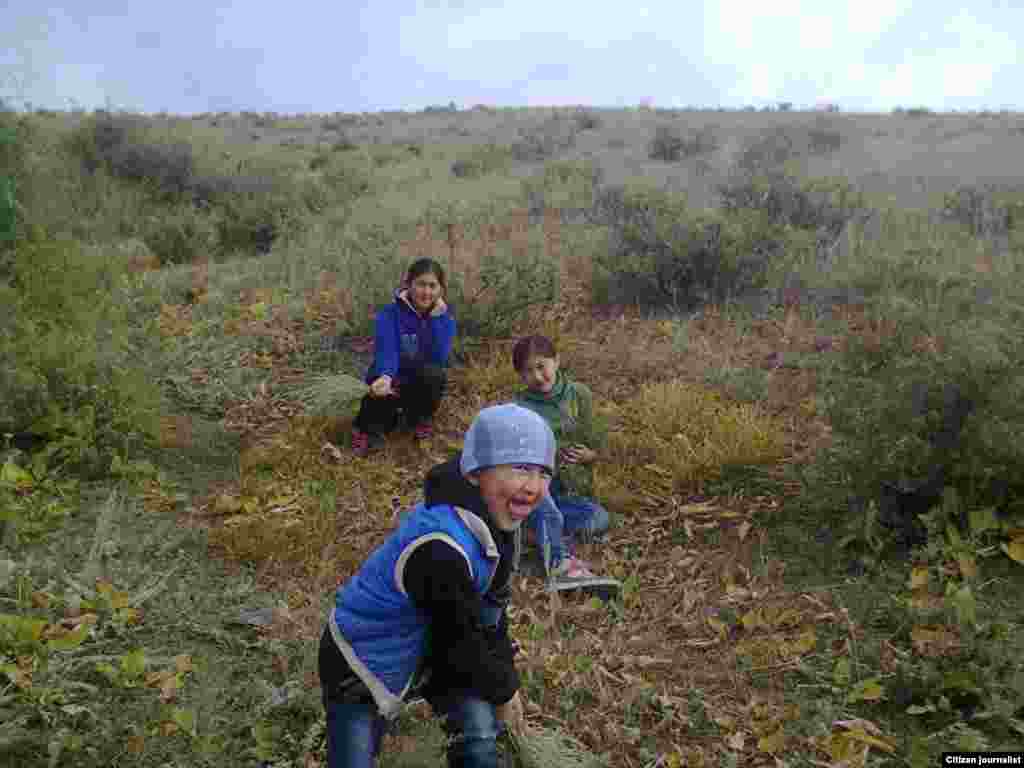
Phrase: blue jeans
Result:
[354,732]
[558,517]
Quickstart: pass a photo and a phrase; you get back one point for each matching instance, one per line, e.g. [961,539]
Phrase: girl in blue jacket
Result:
[409,372]
[425,613]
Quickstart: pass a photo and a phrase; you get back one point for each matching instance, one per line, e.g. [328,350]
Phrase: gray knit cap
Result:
[507,434]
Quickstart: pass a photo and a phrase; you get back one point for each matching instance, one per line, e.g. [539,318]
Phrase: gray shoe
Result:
[572,574]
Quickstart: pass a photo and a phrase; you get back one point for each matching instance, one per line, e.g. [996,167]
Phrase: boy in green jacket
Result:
[568,408]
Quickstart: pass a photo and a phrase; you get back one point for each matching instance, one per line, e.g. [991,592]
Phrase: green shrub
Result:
[666,145]
[660,254]
[481,161]
[767,152]
[671,146]
[985,211]
[817,205]
[16,136]
[257,210]
[181,235]
[508,286]
[120,145]
[824,140]
[564,184]
[588,121]
[546,140]
[925,398]
[74,357]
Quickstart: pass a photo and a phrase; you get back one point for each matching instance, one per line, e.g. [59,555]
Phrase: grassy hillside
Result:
[803,329]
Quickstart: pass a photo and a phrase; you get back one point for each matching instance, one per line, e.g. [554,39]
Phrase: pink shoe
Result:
[360,443]
[572,569]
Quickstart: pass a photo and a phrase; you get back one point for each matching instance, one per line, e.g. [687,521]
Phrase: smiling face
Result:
[424,291]
[538,374]
[511,491]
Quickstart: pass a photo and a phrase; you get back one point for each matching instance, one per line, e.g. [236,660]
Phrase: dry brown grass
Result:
[674,436]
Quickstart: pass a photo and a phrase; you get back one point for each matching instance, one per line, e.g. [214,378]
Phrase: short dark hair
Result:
[528,347]
[426,266]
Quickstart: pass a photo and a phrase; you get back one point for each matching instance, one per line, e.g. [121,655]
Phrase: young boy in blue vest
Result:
[425,614]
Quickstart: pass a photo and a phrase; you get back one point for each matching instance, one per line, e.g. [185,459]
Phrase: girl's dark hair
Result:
[426,266]
[530,346]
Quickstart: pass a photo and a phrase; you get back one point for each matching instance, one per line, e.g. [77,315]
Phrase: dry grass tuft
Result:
[674,436]
[552,748]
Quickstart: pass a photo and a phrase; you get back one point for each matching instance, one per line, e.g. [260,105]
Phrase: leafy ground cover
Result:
[735,638]
[168,614]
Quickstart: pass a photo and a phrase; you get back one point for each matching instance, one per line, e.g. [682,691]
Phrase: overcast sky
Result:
[192,56]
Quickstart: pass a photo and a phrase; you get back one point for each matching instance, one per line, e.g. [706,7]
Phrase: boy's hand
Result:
[578,454]
[381,386]
[511,713]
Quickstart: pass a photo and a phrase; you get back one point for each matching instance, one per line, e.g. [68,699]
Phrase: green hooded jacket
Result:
[569,411]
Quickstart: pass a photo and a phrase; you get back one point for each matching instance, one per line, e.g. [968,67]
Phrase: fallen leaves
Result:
[935,641]
[851,744]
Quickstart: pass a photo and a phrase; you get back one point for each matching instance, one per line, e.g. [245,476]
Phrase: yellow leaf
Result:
[866,690]
[156,679]
[842,749]
[128,615]
[753,619]
[136,744]
[772,742]
[968,566]
[1014,549]
[918,577]
[24,630]
[118,600]
[725,722]
[20,677]
[859,734]
[227,504]
[718,626]
[169,689]
[12,474]
[183,663]
[805,642]
[788,616]
[70,640]
[923,600]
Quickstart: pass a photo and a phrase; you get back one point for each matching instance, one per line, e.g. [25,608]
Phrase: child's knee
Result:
[472,721]
[600,520]
[434,374]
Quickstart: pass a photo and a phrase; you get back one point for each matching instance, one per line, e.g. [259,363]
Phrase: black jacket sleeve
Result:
[464,654]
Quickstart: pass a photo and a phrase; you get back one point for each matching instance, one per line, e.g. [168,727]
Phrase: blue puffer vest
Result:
[375,624]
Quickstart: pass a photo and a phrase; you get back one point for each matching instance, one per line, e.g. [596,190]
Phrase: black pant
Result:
[419,396]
